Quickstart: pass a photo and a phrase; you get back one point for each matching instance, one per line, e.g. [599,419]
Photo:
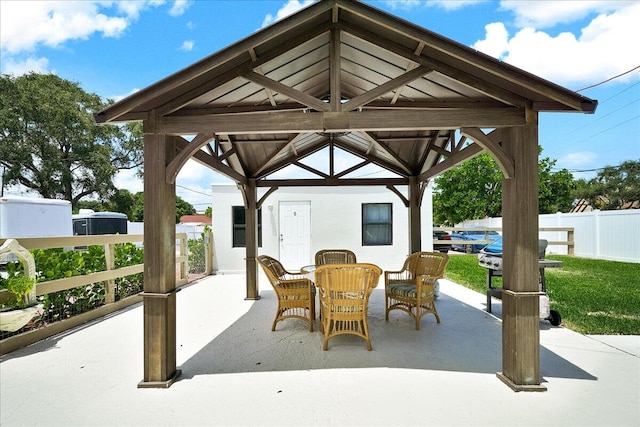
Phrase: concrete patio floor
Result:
[235,371]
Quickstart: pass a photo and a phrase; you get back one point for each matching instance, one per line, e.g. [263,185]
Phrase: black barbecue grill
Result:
[493,263]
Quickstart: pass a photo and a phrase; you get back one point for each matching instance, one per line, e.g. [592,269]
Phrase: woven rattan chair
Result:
[296,293]
[344,291]
[335,256]
[412,289]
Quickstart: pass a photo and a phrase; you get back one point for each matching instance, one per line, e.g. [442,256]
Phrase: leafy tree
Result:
[555,189]
[614,187]
[470,191]
[473,190]
[121,201]
[49,142]
[182,208]
[208,212]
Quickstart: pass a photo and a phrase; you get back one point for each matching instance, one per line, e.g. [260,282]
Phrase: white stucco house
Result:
[296,222]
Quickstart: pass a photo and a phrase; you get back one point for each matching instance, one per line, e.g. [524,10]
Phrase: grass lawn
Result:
[592,296]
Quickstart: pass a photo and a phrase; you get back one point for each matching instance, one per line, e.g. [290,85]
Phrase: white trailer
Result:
[33,217]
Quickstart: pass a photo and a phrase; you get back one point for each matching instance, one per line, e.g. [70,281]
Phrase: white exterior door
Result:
[295,234]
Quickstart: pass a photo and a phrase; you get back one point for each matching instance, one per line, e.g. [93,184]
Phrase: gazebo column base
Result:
[161,384]
[520,387]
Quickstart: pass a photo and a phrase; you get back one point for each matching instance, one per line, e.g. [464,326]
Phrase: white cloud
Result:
[180,7]
[545,14]
[187,45]
[442,4]
[127,179]
[602,49]
[496,41]
[291,7]
[31,64]
[25,25]
[578,160]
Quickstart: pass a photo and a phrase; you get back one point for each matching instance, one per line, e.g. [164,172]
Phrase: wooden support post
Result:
[159,294]
[251,217]
[208,252]
[110,288]
[520,298]
[415,228]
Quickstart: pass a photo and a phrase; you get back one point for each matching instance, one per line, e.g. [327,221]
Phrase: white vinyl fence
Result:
[610,235]
[193,231]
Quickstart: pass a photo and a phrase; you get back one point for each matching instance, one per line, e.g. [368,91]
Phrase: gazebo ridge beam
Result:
[383,120]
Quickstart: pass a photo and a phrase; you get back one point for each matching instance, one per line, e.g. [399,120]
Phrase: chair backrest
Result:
[335,256]
[542,248]
[426,263]
[272,268]
[347,281]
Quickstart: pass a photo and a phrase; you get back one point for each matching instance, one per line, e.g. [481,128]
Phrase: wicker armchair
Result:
[335,256]
[412,289]
[296,293]
[344,291]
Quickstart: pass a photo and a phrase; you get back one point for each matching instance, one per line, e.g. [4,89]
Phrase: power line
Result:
[609,79]
[195,191]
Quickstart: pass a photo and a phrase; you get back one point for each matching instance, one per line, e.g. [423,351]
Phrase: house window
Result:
[240,227]
[377,224]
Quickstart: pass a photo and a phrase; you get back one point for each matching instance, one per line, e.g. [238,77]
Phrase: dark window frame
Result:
[367,240]
[239,227]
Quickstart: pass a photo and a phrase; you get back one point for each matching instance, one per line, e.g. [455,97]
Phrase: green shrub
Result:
[196,255]
[127,254]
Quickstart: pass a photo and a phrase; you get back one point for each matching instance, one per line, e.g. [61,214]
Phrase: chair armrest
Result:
[293,283]
[403,275]
[426,283]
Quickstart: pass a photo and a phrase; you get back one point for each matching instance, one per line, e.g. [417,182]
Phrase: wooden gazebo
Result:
[340,74]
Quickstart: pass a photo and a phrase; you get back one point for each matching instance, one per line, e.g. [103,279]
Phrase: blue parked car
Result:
[472,236]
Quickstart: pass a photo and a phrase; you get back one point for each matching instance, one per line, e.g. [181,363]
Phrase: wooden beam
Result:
[410,66]
[496,151]
[292,93]
[409,76]
[415,220]
[251,239]
[397,192]
[391,167]
[367,120]
[401,163]
[335,68]
[214,163]
[332,182]
[185,154]
[451,162]
[276,153]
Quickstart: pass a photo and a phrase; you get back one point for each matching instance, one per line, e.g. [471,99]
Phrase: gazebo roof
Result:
[340,74]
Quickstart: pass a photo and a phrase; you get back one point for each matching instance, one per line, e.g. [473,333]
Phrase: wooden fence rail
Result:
[109,275]
[569,242]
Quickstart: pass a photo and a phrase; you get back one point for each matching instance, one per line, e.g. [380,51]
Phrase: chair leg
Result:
[386,307]
[365,329]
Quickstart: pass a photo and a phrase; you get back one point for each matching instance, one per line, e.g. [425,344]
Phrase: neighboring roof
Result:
[199,219]
[340,75]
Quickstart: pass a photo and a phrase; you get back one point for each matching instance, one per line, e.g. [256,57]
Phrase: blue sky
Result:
[113,48]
